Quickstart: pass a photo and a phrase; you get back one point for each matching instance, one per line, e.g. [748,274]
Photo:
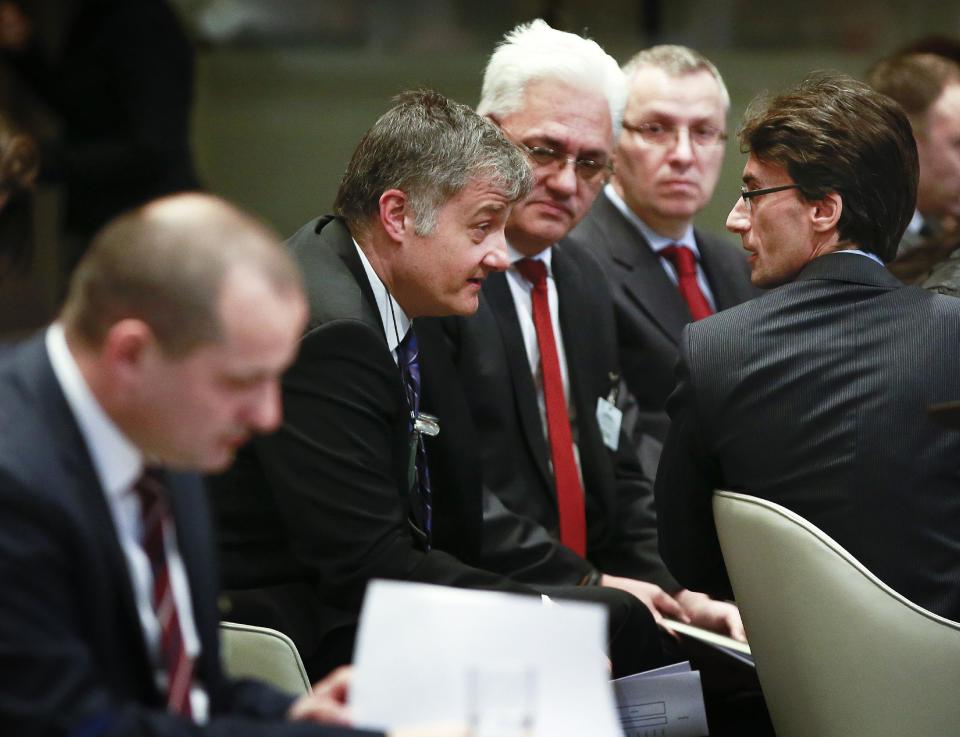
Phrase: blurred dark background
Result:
[282,89]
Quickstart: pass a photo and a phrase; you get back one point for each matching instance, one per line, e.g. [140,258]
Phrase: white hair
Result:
[676,61]
[534,51]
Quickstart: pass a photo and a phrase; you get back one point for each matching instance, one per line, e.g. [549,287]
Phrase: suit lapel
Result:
[644,281]
[68,441]
[497,292]
[578,334]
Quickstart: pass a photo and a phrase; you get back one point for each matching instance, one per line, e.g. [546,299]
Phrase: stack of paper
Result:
[500,664]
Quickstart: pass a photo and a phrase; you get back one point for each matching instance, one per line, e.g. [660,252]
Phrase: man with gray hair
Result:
[364,480]
[167,356]
[662,271]
[539,359]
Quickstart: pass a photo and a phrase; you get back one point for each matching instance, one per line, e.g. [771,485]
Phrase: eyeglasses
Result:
[589,170]
[749,194]
[666,135]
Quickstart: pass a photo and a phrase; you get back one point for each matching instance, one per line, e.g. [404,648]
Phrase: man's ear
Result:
[125,349]
[395,215]
[826,213]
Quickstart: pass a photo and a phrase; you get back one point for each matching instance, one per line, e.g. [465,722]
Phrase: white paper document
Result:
[504,665]
[666,702]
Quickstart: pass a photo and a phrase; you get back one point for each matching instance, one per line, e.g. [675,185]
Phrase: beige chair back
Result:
[838,652]
[264,654]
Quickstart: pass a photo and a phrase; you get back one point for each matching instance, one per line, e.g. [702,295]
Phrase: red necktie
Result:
[573,524]
[685,263]
[178,665]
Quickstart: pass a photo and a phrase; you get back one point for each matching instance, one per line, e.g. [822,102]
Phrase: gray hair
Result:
[676,61]
[431,148]
[534,51]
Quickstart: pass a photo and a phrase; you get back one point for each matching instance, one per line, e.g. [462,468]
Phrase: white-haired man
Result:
[663,272]
[539,358]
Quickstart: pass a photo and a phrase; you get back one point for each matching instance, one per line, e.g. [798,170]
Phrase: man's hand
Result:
[710,614]
[658,601]
[327,701]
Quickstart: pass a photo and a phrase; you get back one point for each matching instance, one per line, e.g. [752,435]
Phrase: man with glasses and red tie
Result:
[815,394]
[662,271]
[538,362]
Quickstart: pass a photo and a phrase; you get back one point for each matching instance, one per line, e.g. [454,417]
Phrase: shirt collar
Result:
[858,252]
[546,255]
[117,461]
[391,313]
[915,224]
[657,242]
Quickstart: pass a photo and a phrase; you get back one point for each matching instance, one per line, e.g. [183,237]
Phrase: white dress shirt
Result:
[118,465]
[394,319]
[659,242]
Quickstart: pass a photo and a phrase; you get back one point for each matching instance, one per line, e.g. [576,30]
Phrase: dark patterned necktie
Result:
[155,511]
[685,262]
[408,358]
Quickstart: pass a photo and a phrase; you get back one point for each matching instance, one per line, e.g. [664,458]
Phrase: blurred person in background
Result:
[117,76]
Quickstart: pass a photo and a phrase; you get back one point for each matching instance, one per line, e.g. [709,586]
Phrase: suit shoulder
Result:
[580,254]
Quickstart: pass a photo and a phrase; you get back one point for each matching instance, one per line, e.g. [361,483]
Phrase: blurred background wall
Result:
[284,88]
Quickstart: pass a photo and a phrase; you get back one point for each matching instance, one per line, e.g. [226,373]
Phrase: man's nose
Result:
[266,412]
[563,178]
[496,259]
[682,149]
[738,221]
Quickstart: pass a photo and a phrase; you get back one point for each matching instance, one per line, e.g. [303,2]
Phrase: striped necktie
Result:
[155,511]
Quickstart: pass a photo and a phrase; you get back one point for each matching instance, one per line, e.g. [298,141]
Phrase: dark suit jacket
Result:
[650,311]
[310,514]
[492,362]
[72,653]
[814,396]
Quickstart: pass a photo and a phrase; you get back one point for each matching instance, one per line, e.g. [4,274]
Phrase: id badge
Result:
[609,419]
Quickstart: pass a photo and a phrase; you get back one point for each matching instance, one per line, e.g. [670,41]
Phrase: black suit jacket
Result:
[309,515]
[814,396]
[72,653]
[650,311]
[492,362]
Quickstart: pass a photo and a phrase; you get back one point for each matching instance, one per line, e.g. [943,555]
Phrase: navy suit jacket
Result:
[650,311]
[72,653]
[815,396]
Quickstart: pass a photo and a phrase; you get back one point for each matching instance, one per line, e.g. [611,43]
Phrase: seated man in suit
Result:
[815,395]
[662,271]
[362,481]
[927,86]
[538,361]
[167,355]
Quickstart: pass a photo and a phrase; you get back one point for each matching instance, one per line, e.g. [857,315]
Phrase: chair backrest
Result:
[838,652]
[262,653]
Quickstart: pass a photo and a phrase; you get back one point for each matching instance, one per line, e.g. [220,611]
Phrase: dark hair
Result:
[430,147]
[946,46]
[915,81]
[833,133]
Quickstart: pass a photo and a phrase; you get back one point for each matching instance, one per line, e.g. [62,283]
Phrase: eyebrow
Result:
[559,145]
[491,208]
[750,179]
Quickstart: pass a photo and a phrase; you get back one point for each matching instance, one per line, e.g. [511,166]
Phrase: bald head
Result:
[166,263]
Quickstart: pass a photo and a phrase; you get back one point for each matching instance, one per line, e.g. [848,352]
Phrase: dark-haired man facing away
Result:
[815,394]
